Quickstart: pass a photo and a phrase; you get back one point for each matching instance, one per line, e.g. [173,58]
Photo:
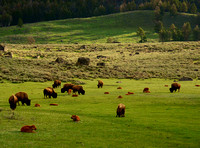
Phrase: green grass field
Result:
[158,119]
[121,26]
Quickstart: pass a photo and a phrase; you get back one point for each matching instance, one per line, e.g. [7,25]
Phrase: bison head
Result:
[54,95]
[171,90]
[28,102]
[82,92]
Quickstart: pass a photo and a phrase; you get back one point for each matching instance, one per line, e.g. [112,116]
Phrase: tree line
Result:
[28,11]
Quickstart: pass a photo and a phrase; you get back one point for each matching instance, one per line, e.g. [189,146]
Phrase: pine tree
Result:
[184,7]
[196,33]
[186,30]
[193,8]
[20,22]
[173,10]
[142,35]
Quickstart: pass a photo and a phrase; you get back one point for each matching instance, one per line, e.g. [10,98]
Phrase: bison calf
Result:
[75,118]
[174,87]
[49,92]
[23,97]
[121,110]
[28,129]
[100,83]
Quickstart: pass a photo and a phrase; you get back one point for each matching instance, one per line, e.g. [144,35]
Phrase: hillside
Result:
[122,26]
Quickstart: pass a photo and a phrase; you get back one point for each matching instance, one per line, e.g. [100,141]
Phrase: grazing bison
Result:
[49,92]
[28,129]
[23,97]
[79,89]
[37,105]
[146,90]
[174,87]
[13,101]
[75,118]
[66,87]
[121,110]
[56,84]
[100,83]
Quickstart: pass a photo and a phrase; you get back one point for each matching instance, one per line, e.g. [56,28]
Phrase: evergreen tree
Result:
[142,35]
[20,22]
[164,35]
[193,8]
[186,30]
[184,7]
[173,10]
[158,26]
[196,33]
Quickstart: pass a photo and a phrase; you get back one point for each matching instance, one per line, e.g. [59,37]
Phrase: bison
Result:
[49,92]
[56,84]
[28,129]
[13,101]
[146,90]
[23,97]
[100,83]
[75,118]
[66,87]
[174,87]
[79,89]
[121,110]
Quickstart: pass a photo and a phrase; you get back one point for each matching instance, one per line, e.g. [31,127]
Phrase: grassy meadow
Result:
[157,119]
[120,26]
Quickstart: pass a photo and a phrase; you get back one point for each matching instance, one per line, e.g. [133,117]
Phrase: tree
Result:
[20,22]
[158,26]
[123,7]
[164,35]
[196,33]
[157,13]
[142,35]
[184,7]
[193,8]
[173,10]
[6,19]
[186,30]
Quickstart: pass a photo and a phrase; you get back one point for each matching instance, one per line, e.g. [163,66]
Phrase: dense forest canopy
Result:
[43,10]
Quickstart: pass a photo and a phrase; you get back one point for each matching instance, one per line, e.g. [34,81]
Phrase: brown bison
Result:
[100,83]
[49,92]
[56,84]
[174,87]
[54,104]
[75,118]
[79,89]
[13,101]
[146,90]
[23,97]
[66,87]
[121,110]
[28,129]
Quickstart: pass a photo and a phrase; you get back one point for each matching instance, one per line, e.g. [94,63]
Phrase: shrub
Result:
[30,40]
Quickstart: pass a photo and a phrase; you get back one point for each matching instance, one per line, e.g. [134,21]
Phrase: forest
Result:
[14,11]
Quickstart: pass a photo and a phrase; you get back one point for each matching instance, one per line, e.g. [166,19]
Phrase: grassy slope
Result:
[158,119]
[92,30]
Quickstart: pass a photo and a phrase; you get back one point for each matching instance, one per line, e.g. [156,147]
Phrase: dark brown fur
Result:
[79,89]
[23,97]
[13,101]
[100,83]
[66,87]
[49,92]
[146,90]
[56,84]
[174,87]
[121,110]
[28,129]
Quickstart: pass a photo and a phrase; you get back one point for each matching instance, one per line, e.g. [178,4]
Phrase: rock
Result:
[2,48]
[60,60]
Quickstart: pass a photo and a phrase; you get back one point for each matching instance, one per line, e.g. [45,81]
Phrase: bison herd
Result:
[70,88]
